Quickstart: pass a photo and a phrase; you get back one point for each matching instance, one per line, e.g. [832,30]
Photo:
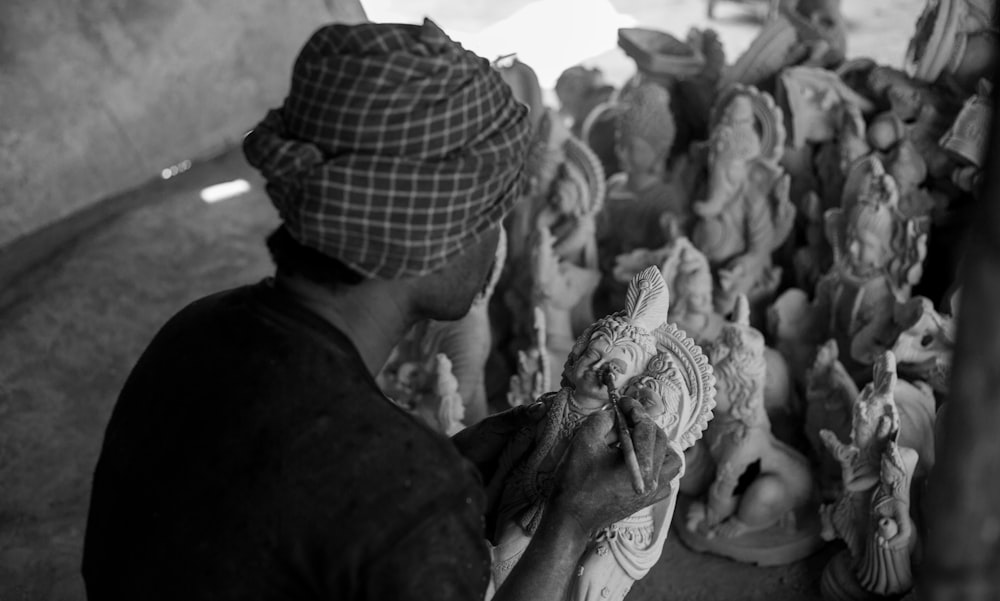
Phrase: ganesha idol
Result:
[656,364]
[746,214]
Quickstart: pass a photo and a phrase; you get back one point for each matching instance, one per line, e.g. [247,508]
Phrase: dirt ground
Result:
[71,331]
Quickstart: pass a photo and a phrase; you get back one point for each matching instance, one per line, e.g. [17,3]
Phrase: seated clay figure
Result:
[760,503]
[872,515]
[656,364]
[639,195]
[746,214]
[878,257]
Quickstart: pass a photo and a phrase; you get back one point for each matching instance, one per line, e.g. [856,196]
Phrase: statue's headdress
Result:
[646,114]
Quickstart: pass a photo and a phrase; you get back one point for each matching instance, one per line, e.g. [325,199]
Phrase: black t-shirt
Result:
[251,456]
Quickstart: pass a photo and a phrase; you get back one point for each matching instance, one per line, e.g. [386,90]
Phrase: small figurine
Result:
[532,378]
[666,371]
[759,507]
[747,213]
[830,397]
[872,515]
[925,343]
[428,389]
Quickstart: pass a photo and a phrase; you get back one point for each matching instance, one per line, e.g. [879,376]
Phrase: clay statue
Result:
[878,257]
[956,39]
[666,371]
[806,32]
[830,397]
[641,193]
[532,378]
[909,169]
[759,506]
[580,90]
[747,213]
[924,345]
[872,515]
[918,111]
[815,100]
[566,192]
[689,70]
[428,389]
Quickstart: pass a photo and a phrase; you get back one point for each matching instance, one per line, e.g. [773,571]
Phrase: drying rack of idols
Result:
[770,247]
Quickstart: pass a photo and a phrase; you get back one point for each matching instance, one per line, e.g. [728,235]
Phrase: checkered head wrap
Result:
[395,150]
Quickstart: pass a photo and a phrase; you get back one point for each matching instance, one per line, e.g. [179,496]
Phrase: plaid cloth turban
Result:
[395,150]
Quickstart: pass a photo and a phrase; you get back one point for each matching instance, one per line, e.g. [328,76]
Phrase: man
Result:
[250,454]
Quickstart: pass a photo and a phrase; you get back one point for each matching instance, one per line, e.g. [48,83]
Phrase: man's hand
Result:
[483,443]
[593,485]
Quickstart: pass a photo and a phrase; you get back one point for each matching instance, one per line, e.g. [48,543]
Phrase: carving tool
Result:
[624,436]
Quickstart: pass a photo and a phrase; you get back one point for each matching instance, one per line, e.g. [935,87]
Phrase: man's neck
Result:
[374,315]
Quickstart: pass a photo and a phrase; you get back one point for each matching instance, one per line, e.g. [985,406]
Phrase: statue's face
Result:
[868,253]
[626,357]
[698,294]
[636,156]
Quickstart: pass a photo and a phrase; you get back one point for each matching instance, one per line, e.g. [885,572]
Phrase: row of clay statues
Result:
[803,211]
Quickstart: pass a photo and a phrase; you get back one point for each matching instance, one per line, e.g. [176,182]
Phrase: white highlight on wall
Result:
[173,170]
[225,190]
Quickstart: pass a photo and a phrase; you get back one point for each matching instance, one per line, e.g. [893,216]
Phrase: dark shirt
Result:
[251,456]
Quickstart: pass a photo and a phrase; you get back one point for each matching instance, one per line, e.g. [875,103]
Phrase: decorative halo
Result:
[583,158]
[698,377]
[767,117]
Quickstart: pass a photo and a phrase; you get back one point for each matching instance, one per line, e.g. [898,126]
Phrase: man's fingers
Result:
[596,427]
[644,440]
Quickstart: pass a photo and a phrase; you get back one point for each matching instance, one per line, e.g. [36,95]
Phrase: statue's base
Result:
[840,584]
[775,546]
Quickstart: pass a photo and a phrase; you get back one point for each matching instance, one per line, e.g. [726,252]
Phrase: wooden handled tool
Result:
[624,436]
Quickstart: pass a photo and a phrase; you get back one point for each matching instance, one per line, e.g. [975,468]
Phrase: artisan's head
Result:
[395,156]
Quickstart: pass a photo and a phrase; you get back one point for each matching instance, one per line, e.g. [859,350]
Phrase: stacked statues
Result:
[802,211]
[662,368]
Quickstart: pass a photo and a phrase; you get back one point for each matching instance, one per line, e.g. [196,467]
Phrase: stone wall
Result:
[99,96]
